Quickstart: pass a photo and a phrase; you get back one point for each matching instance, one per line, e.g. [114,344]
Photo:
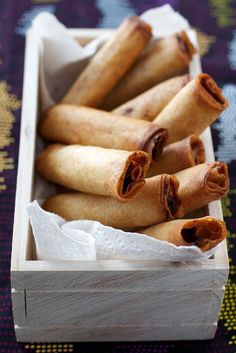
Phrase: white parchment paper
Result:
[57,239]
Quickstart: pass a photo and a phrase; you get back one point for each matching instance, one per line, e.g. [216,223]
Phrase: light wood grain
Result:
[24,188]
[120,308]
[155,278]
[114,333]
[19,306]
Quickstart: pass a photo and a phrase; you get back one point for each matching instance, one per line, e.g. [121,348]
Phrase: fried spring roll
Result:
[94,170]
[202,184]
[204,232]
[193,109]
[178,156]
[156,202]
[87,126]
[147,105]
[110,63]
[161,60]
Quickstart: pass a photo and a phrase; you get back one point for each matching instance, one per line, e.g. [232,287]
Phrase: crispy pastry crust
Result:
[161,60]
[95,170]
[157,201]
[110,63]
[147,105]
[193,109]
[179,155]
[70,124]
[202,184]
[205,232]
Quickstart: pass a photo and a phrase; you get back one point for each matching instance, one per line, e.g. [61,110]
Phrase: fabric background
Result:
[215,22]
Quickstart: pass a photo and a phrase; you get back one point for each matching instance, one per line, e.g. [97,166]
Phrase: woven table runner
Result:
[215,22]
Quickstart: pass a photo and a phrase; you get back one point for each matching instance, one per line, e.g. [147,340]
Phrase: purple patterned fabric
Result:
[215,22]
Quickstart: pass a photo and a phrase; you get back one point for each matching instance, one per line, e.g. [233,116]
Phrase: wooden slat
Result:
[115,333]
[121,308]
[20,242]
[19,306]
[178,277]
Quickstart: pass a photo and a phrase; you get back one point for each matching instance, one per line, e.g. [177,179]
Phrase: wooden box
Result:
[104,300]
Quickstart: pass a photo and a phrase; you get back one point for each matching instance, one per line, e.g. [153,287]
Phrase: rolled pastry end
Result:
[156,143]
[211,92]
[133,177]
[217,179]
[186,47]
[197,150]
[172,202]
[205,232]
[138,23]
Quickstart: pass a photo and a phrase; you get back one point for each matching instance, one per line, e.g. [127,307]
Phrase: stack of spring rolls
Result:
[125,139]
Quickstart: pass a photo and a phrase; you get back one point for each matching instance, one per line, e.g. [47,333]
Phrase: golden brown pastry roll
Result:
[94,170]
[161,60]
[202,184]
[147,105]
[110,63]
[193,109]
[157,201]
[179,155]
[204,232]
[87,126]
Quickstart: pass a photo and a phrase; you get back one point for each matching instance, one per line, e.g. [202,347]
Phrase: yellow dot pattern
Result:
[50,347]
[8,104]
[223,11]
[228,309]
[205,41]
[225,202]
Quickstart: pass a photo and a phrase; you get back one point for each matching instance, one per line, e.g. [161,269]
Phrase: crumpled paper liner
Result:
[57,239]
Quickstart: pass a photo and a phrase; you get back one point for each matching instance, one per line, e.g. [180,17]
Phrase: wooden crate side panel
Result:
[20,244]
[103,334]
[120,308]
[178,277]
[19,306]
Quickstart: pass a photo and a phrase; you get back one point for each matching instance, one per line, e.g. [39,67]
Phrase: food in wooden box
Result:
[204,232]
[179,155]
[202,184]
[162,59]
[110,63]
[147,105]
[108,175]
[94,170]
[193,109]
[87,126]
[157,201]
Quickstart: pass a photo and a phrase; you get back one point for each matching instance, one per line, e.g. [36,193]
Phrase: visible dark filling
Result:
[171,203]
[182,44]
[198,152]
[127,181]
[189,235]
[159,142]
[211,87]
[154,147]
[171,200]
[134,174]
[201,235]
